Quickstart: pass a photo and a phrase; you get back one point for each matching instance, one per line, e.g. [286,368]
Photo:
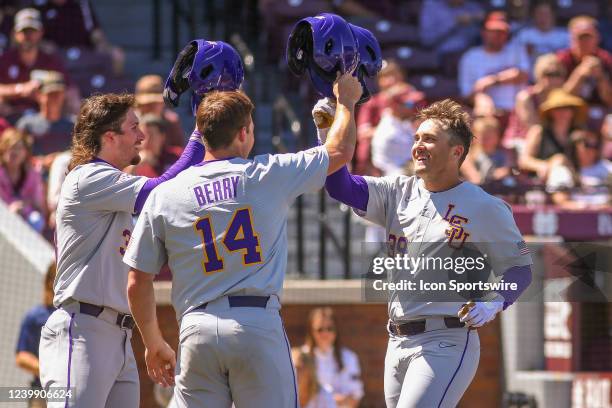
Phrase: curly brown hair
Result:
[454,120]
[99,114]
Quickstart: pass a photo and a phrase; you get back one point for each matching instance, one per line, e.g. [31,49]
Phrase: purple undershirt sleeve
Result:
[348,189]
[192,154]
[521,275]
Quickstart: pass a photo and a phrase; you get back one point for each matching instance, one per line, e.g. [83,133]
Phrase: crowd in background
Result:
[540,93]
[540,96]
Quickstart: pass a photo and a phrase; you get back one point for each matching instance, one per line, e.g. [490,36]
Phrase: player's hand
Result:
[477,314]
[161,361]
[347,89]
[323,115]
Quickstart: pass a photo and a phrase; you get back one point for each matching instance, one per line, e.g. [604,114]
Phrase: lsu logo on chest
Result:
[455,232]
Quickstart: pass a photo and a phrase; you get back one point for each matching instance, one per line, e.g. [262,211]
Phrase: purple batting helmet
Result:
[370,58]
[203,66]
[322,45]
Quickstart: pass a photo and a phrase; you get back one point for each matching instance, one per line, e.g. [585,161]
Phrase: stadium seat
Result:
[409,11]
[391,33]
[566,9]
[83,59]
[98,82]
[413,58]
[292,10]
[435,86]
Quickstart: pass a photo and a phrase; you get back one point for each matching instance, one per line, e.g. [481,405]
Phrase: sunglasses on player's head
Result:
[328,329]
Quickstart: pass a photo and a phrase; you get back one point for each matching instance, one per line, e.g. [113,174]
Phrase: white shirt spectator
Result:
[477,63]
[57,174]
[392,144]
[346,382]
[324,399]
[597,174]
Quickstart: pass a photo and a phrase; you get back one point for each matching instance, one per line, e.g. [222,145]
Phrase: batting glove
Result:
[323,115]
[477,314]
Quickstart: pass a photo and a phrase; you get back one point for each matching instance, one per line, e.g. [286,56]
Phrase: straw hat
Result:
[558,98]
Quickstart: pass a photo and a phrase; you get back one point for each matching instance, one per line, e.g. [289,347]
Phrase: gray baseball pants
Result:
[432,369]
[91,356]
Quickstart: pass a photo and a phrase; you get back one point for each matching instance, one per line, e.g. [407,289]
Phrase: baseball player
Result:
[433,349]
[221,226]
[85,344]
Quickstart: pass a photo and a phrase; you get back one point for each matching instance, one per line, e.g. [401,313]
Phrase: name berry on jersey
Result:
[216,191]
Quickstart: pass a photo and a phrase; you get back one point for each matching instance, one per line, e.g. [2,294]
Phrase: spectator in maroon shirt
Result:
[156,156]
[390,80]
[84,29]
[589,66]
[149,100]
[17,87]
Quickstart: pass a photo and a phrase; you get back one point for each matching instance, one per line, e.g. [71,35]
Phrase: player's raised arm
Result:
[192,154]
[340,143]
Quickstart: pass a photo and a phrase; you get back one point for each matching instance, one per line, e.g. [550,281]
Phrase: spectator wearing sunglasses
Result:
[586,182]
[337,367]
[549,74]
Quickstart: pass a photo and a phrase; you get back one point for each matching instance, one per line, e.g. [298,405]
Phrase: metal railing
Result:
[285,117]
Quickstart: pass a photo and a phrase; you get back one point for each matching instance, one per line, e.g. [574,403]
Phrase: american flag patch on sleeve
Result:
[522,247]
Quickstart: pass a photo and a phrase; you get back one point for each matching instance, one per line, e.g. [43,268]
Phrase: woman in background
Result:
[586,181]
[547,143]
[21,186]
[549,74]
[337,367]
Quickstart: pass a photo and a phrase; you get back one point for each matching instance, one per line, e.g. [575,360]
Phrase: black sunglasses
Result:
[328,329]
[553,74]
[591,144]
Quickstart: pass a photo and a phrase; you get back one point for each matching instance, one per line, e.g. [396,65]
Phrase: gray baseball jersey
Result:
[94,226]
[222,225]
[415,218]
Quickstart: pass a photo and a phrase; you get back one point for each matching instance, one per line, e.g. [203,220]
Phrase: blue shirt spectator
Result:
[29,334]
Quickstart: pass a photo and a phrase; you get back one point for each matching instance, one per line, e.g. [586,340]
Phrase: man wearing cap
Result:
[149,100]
[52,131]
[492,74]
[17,88]
[590,67]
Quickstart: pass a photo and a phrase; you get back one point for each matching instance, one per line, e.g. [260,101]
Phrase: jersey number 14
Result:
[239,235]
